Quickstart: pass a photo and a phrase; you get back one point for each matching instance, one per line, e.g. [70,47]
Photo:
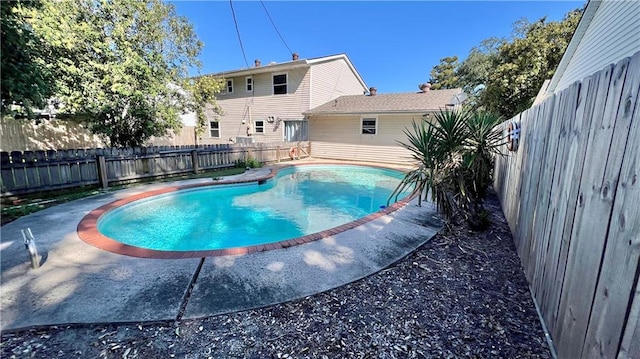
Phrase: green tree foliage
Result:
[454,156]
[203,91]
[525,63]
[120,65]
[504,75]
[26,82]
[473,73]
[443,75]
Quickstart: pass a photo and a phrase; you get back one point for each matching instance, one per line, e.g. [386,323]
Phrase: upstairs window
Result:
[369,126]
[229,87]
[260,127]
[280,84]
[249,82]
[214,129]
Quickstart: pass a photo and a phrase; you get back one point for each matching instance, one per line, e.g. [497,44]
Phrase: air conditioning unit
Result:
[245,140]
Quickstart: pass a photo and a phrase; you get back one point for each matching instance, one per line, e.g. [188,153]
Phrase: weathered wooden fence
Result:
[571,195]
[32,171]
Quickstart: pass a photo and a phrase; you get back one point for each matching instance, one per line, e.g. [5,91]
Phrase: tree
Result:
[473,73]
[522,65]
[26,82]
[443,75]
[504,75]
[203,91]
[120,65]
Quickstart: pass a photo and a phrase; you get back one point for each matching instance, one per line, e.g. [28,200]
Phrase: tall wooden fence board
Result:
[532,143]
[544,212]
[589,233]
[574,162]
[560,186]
[575,215]
[631,341]
[528,152]
[622,251]
[544,175]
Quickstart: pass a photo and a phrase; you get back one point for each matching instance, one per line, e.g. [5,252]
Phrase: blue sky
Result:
[393,45]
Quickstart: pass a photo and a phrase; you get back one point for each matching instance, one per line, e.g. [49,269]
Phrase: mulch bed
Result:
[462,294]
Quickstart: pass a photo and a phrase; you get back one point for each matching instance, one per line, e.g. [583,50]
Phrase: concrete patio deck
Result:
[79,283]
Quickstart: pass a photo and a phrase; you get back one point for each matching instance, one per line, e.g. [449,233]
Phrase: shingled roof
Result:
[432,100]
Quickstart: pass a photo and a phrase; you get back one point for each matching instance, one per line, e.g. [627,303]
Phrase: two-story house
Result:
[265,103]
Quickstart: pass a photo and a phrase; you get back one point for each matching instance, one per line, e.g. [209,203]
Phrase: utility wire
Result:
[238,32]
[274,26]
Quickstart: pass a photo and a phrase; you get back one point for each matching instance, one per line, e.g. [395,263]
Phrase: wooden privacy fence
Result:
[571,195]
[33,171]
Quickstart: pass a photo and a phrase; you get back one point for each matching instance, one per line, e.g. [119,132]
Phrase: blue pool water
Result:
[298,201]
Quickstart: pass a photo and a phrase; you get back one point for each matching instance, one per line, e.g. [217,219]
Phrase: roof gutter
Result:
[387,112]
[263,69]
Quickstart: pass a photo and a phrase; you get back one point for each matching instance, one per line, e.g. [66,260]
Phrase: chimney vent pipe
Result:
[425,87]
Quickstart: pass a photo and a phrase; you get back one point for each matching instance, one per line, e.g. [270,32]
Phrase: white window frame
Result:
[211,129]
[286,84]
[362,128]
[228,87]
[248,82]
[256,127]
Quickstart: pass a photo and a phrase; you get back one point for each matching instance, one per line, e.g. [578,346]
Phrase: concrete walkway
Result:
[79,283]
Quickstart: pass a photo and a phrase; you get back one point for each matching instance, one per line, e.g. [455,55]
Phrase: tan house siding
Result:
[604,43]
[331,80]
[309,81]
[339,137]
[25,135]
[347,152]
[241,106]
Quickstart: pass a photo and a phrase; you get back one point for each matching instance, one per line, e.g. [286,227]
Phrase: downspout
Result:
[250,124]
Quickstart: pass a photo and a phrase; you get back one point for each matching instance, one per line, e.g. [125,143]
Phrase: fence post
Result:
[278,154]
[194,161]
[102,172]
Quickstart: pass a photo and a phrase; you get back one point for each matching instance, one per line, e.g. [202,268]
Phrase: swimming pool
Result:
[298,201]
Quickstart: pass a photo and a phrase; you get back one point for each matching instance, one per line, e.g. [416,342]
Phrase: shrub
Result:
[249,163]
[454,156]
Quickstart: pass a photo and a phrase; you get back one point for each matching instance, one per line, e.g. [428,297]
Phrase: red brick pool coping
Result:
[88,226]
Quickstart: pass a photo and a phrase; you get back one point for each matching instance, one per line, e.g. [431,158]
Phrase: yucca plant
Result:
[422,144]
[481,146]
[454,156]
[437,149]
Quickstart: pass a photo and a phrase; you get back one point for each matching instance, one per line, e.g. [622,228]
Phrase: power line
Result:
[238,32]
[274,26]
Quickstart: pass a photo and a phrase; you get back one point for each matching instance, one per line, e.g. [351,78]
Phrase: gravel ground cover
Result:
[462,294]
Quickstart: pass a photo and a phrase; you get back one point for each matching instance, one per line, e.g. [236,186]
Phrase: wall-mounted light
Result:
[244,121]
[270,119]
